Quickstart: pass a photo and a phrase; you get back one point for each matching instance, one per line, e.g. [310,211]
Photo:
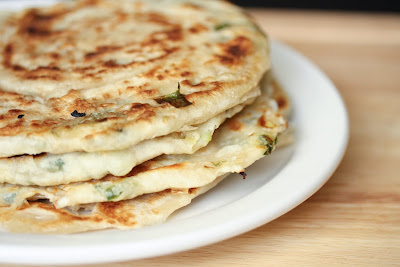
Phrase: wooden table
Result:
[355,218]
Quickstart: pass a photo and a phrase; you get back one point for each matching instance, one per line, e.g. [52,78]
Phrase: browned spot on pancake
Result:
[155,17]
[121,16]
[192,6]
[18,68]
[160,37]
[149,93]
[117,211]
[174,35]
[7,55]
[111,64]
[106,96]
[234,125]
[43,124]
[262,121]
[204,94]
[12,128]
[186,74]
[54,56]
[84,69]
[160,77]
[37,25]
[281,101]
[43,72]
[192,190]
[235,50]
[15,111]
[155,211]
[152,73]
[141,111]
[145,166]
[100,50]
[90,2]
[197,28]
[176,166]
[81,105]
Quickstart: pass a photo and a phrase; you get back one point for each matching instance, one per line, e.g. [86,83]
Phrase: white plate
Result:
[274,185]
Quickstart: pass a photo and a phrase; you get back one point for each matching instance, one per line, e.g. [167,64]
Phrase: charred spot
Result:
[243,174]
[234,125]
[76,114]
[235,50]
[21,116]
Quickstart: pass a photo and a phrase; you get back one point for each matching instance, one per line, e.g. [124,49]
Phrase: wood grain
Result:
[355,218]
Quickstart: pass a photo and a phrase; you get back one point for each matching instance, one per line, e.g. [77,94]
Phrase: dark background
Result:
[377,5]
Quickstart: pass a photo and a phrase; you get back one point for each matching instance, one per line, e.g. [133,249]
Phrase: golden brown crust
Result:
[87,75]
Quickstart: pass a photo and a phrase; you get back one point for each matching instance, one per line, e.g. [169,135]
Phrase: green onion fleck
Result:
[56,165]
[176,99]
[268,143]
[222,26]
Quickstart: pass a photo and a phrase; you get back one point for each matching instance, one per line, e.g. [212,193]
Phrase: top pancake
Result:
[118,64]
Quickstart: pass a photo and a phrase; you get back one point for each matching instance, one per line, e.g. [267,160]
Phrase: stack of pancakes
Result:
[114,114]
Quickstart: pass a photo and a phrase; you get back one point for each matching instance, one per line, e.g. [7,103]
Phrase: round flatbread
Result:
[105,75]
